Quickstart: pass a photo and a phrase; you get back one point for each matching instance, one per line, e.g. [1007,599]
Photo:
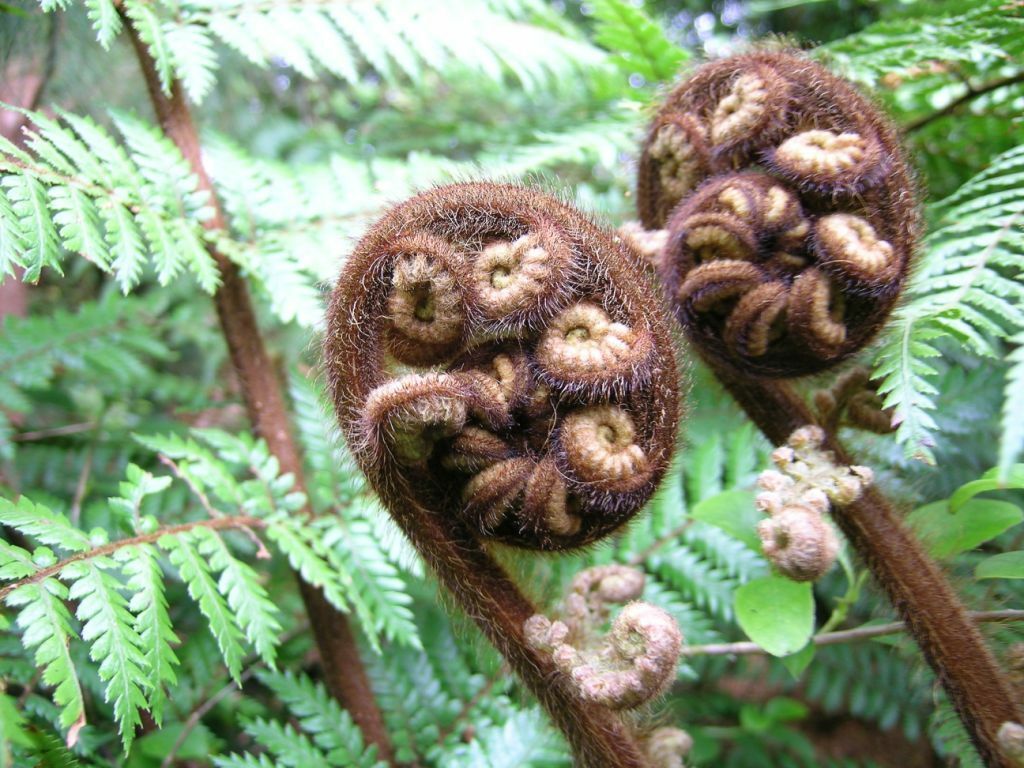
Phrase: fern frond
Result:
[525,738]
[988,29]
[376,581]
[969,289]
[307,555]
[152,622]
[46,628]
[79,190]
[331,728]
[393,39]
[253,609]
[638,44]
[109,629]
[43,524]
[196,573]
[287,746]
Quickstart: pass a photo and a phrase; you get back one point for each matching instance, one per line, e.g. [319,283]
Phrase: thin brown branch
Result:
[844,636]
[343,668]
[914,583]
[971,94]
[219,523]
[44,434]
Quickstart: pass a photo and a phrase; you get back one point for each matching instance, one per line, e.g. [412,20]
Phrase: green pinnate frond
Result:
[152,621]
[287,746]
[109,629]
[104,18]
[330,727]
[638,44]
[525,738]
[150,30]
[47,630]
[244,761]
[108,343]
[254,611]
[376,582]
[307,555]
[29,204]
[137,485]
[967,290]
[79,190]
[43,524]
[15,562]
[989,29]
[202,588]
[393,39]
[1012,442]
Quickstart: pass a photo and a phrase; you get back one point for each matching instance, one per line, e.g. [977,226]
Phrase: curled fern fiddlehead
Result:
[501,360]
[790,209]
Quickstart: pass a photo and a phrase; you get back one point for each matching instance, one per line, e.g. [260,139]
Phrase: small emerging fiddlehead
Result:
[496,357]
[630,665]
[796,537]
[790,211]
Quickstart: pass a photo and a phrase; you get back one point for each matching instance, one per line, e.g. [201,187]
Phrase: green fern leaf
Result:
[376,581]
[46,628]
[108,628]
[147,25]
[968,288]
[104,18]
[287,746]
[79,224]
[194,59]
[319,715]
[307,555]
[638,44]
[15,562]
[202,588]
[45,525]
[29,203]
[254,611]
[152,622]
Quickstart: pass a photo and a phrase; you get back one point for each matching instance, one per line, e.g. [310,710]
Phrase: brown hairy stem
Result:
[917,587]
[486,593]
[344,672]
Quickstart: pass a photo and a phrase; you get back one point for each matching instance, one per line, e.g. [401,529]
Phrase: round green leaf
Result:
[948,533]
[776,613]
[1008,565]
[734,512]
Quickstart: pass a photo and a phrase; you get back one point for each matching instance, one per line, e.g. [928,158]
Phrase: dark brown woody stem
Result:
[917,587]
[343,669]
[484,591]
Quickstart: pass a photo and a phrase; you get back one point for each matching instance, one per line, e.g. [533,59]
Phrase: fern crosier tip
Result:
[791,213]
[495,357]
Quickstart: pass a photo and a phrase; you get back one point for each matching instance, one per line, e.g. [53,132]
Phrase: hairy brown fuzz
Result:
[497,358]
[790,211]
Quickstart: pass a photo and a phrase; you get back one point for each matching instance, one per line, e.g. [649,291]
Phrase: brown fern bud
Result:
[667,746]
[497,358]
[799,542]
[425,305]
[635,664]
[1011,741]
[853,400]
[789,170]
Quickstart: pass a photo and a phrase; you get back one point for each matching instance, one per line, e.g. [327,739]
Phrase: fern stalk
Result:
[343,669]
[914,583]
